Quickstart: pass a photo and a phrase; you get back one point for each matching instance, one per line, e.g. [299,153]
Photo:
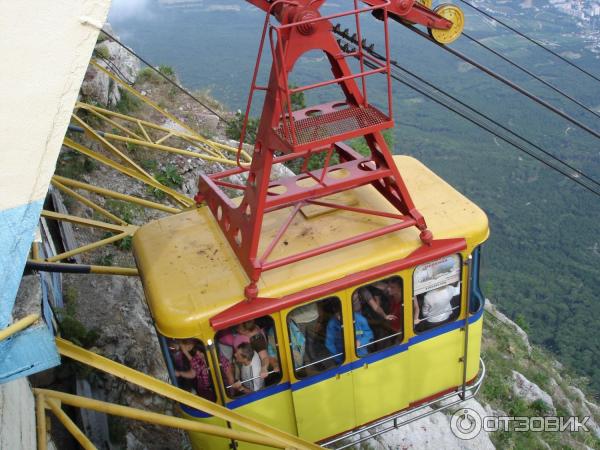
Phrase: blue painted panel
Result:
[28,352]
[17,226]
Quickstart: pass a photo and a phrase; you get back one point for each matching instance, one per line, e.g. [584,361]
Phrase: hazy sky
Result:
[125,9]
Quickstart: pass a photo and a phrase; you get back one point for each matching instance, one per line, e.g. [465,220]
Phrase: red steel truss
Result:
[284,134]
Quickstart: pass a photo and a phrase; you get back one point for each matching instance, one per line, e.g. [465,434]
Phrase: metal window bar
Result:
[400,333]
[252,379]
[440,314]
[319,361]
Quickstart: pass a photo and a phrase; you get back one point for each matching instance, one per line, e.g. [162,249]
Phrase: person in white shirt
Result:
[437,305]
[250,368]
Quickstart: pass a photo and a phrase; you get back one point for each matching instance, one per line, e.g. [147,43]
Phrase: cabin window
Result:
[437,290]
[188,364]
[316,336]
[378,315]
[249,356]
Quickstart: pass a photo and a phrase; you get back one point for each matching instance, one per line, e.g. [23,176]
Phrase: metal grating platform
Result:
[321,127]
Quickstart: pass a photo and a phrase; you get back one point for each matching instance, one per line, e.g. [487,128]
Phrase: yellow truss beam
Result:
[169,149]
[70,425]
[19,325]
[146,100]
[193,139]
[108,146]
[155,418]
[90,222]
[40,422]
[88,202]
[101,116]
[182,199]
[122,230]
[88,247]
[91,359]
[113,194]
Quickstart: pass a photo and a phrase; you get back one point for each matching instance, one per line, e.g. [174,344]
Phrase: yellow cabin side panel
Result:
[381,388]
[274,410]
[435,365]
[325,408]
[202,441]
[474,349]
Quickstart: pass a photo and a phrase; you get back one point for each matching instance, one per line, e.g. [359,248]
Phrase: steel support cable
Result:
[432,96]
[185,91]
[531,74]
[115,69]
[371,51]
[496,123]
[533,41]
[508,83]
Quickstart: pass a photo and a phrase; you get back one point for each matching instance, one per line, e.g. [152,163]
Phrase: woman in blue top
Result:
[334,340]
[362,331]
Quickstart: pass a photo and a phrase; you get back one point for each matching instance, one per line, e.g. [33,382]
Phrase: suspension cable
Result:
[507,82]
[166,78]
[498,124]
[531,74]
[372,52]
[113,67]
[533,41]
[508,140]
[435,96]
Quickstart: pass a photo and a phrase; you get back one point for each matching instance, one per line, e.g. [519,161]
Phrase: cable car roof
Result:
[190,273]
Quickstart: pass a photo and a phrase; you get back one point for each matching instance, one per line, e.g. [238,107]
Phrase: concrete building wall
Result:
[45,49]
[17,416]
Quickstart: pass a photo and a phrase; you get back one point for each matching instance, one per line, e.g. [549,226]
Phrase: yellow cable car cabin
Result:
[337,342]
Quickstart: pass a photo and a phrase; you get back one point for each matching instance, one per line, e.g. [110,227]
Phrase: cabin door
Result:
[321,379]
[380,371]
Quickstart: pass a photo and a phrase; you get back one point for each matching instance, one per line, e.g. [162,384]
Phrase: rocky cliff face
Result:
[522,380]
[96,84]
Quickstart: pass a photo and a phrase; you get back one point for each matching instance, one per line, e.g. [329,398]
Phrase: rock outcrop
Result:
[530,391]
[97,86]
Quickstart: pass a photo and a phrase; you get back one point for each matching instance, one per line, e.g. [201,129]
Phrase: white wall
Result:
[45,47]
[17,416]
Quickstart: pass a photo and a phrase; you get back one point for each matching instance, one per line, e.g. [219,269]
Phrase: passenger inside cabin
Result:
[334,339]
[436,306]
[250,369]
[228,374]
[191,367]
[255,336]
[376,302]
[394,291]
[362,332]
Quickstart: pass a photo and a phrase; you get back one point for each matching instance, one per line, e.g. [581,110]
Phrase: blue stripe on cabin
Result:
[254,396]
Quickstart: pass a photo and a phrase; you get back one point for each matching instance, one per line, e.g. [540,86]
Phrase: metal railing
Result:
[18,326]
[256,431]
[395,421]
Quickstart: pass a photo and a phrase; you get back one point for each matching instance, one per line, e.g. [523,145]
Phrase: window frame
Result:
[452,317]
[167,356]
[218,353]
[288,318]
[401,332]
